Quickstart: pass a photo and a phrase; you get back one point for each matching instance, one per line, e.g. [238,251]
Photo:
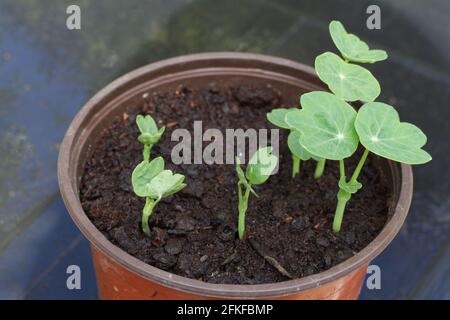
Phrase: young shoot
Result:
[259,169]
[149,134]
[152,182]
[332,129]
[149,179]
[346,80]
[278,117]
[352,48]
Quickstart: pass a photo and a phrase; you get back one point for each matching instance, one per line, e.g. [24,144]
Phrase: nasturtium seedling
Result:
[381,132]
[149,179]
[326,124]
[328,127]
[145,172]
[298,152]
[150,134]
[348,81]
[260,167]
[152,182]
[352,48]
[332,129]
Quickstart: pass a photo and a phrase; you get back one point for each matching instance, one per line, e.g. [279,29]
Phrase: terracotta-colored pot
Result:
[122,276]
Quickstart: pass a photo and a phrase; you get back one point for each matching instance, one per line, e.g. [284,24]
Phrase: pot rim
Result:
[67,183]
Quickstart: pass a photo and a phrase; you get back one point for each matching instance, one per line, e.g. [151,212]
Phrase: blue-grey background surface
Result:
[47,72]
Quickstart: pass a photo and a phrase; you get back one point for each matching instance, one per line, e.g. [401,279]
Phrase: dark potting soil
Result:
[193,233]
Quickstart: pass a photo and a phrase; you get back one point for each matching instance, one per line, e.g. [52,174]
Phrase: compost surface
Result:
[193,233]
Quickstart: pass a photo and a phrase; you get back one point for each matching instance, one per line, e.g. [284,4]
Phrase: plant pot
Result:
[122,276]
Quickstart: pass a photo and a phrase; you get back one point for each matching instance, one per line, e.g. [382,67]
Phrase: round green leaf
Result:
[381,132]
[348,81]
[277,116]
[351,47]
[261,166]
[144,173]
[296,148]
[326,124]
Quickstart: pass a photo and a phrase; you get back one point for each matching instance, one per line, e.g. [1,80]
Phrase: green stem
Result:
[146,213]
[341,168]
[359,166]
[319,168]
[146,152]
[343,198]
[295,165]
[243,205]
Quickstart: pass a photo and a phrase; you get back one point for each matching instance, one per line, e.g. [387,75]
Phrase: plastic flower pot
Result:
[122,276]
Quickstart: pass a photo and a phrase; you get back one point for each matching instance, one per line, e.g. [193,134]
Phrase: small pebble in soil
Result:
[321,241]
[300,223]
[194,189]
[216,220]
[207,203]
[309,234]
[178,208]
[278,208]
[343,255]
[226,232]
[185,224]
[158,236]
[164,260]
[174,246]
[349,237]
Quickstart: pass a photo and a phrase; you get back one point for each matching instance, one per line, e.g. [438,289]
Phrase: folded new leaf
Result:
[296,148]
[165,184]
[278,116]
[348,81]
[261,166]
[381,132]
[351,47]
[242,178]
[350,186]
[146,124]
[144,173]
[150,134]
[326,125]
[240,172]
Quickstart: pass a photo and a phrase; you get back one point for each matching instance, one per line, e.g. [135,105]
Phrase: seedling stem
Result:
[343,195]
[243,205]
[319,168]
[147,212]
[295,165]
